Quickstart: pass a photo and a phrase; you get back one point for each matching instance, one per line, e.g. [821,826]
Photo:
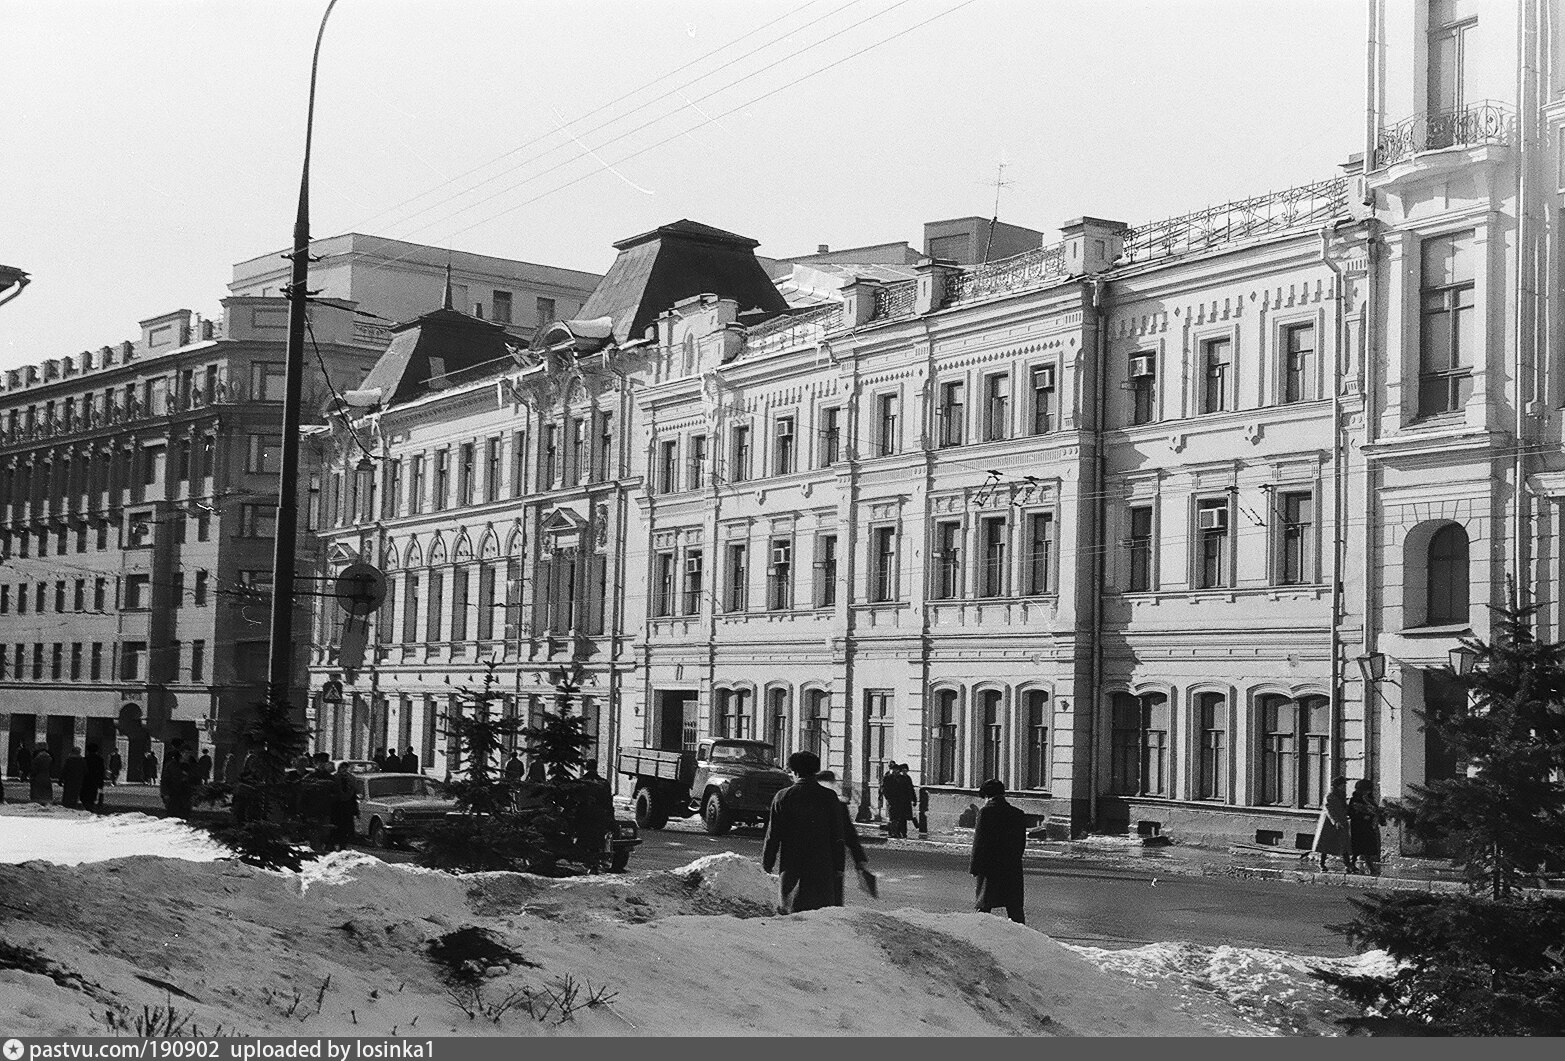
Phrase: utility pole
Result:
[279,662]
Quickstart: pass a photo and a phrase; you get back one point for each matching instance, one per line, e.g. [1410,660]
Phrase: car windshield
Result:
[760,754]
[400,785]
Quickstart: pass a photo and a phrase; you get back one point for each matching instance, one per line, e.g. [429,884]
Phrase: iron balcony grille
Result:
[1260,215]
[1019,272]
[1486,122]
[895,300]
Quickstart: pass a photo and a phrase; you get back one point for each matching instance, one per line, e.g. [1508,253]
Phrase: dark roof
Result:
[669,264]
[438,344]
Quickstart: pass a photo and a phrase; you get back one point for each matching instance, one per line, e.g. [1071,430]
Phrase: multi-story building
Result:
[138,492]
[1166,525]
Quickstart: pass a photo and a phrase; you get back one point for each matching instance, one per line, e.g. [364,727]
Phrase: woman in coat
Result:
[42,783]
[1364,820]
[1331,830]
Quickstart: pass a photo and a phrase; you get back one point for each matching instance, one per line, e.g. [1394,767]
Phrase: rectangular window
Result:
[76,661]
[1036,705]
[138,592]
[258,521]
[782,446]
[668,466]
[1138,548]
[459,587]
[1143,388]
[694,587]
[826,571]
[95,669]
[992,534]
[1139,745]
[997,407]
[943,738]
[198,661]
[1297,563]
[1038,564]
[435,608]
[268,380]
[952,413]
[100,594]
[1211,538]
[604,466]
[518,463]
[466,473]
[831,436]
[696,462]
[1045,400]
[738,598]
[883,564]
[59,596]
[1217,363]
[487,574]
[948,561]
[549,457]
[394,488]
[886,433]
[663,586]
[500,303]
[779,576]
[442,484]
[739,454]
[133,655]
[544,311]
[576,453]
[416,485]
[878,718]
[38,662]
[57,661]
[198,593]
[265,456]
[1450,342]
[80,599]
[410,602]
[492,469]
[1298,368]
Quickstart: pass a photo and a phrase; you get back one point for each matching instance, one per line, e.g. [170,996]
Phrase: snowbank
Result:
[65,837]
[732,877]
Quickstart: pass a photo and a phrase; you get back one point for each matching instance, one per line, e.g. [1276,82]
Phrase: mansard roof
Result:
[436,345]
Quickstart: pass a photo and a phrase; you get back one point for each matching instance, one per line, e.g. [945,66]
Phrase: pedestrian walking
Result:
[315,805]
[180,774]
[42,787]
[24,761]
[92,778]
[851,845]
[172,754]
[344,806]
[72,770]
[149,767]
[514,768]
[116,764]
[999,840]
[535,771]
[896,788]
[1365,818]
[409,763]
[804,839]
[204,767]
[1331,828]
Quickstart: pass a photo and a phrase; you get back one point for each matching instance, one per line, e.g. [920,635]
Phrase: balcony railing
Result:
[1020,272]
[1260,215]
[1487,122]
[895,300]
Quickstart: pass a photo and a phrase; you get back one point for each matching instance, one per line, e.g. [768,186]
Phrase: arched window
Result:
[1448,576]
[1036,776]
[1211,724]
[942,738]
[1295,750]
[1139,745]
[777,729]
[991,735]
[733,713]
[817,737]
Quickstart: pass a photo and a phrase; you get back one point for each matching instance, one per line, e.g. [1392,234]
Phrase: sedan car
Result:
[393,807]
[356,766]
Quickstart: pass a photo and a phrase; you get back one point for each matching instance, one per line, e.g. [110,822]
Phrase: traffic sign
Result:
[361,588]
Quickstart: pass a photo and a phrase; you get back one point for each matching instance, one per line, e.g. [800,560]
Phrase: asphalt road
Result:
[1091,901]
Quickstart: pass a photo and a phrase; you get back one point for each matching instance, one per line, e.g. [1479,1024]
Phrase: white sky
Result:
[146,146]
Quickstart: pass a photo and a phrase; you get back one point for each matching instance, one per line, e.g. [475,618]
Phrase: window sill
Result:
[1447,630]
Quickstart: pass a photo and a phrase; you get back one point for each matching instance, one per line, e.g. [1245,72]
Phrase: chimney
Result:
[823,248]
[1092,244]
[858,301]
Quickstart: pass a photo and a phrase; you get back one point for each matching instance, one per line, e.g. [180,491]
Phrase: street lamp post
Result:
[285,556]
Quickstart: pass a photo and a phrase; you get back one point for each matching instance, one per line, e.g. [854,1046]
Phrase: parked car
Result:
[395,807]
[622,838]
[356,766]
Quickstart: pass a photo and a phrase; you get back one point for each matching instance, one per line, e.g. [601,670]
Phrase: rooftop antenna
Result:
[447,303]
[999,182]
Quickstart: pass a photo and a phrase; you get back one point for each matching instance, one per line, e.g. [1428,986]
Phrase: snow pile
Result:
[1270,992]
[733,877]
[29,831]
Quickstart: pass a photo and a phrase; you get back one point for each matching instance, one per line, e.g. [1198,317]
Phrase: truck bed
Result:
[655,763]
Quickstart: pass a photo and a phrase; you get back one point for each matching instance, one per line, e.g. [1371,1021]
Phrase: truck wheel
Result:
[649,815]
[715,815]
[620,860]
[377,834]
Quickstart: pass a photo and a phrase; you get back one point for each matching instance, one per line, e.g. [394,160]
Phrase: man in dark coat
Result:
[92,779]
[896,788]
[344,806]
[514,768]
[204,767]
[149,767]
[804,839]
[998,843]
[72,771]
[116,766]
[409,764]
[42,790]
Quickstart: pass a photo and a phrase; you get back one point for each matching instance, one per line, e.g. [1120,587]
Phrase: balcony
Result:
[1478,124]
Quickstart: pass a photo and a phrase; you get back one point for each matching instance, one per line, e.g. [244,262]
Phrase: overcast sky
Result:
[147,146]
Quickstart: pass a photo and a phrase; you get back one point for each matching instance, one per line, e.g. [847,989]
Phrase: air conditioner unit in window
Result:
[693,564]
[1212,519]
[1142,367]
[1043,378]
[785,429]
[781,554]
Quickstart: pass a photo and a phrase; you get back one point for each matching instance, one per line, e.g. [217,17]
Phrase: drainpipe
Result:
[1339,456]
[1526,293]
[1100,523]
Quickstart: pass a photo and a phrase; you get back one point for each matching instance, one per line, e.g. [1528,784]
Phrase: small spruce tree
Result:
[560,742]
[274,739]
[1506,816]
[479,735]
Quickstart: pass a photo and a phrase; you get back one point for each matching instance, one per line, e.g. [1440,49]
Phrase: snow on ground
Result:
[342,948]
[69,837]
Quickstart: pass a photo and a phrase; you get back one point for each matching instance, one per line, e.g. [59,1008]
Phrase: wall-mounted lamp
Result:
[1462,660]
[1373,667]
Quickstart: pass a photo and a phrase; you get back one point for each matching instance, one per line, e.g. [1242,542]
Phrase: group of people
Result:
[81,777]
[1349,827]
[329,803]
[899,796]
[810,834]
[390,762]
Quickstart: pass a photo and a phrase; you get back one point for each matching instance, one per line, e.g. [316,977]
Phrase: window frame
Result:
[1223,578]
[998,392]
[1217,389]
